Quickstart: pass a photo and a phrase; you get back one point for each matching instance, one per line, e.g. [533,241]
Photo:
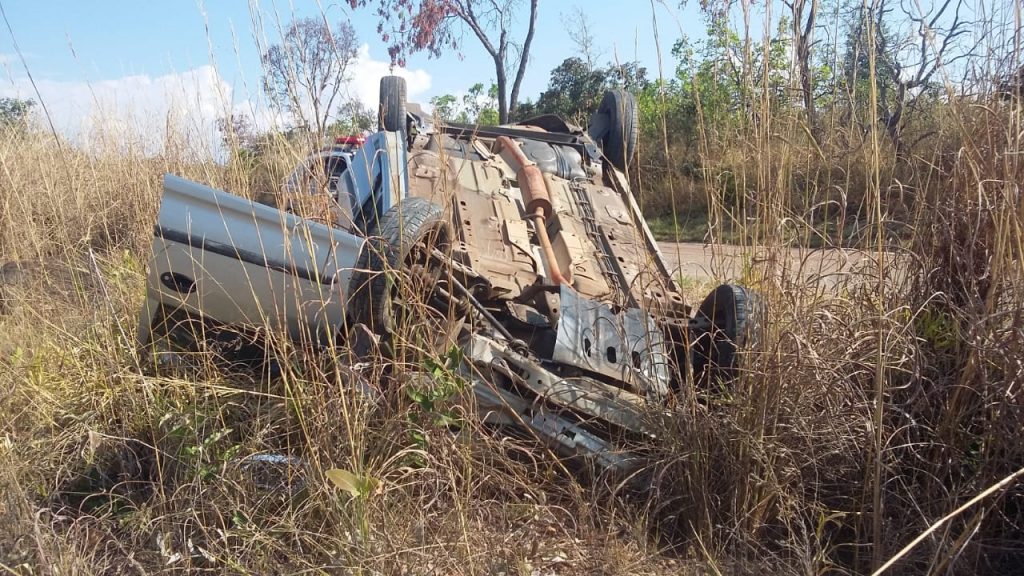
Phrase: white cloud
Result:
[366,73]
[139,109]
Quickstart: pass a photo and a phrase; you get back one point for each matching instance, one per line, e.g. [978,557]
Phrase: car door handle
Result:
[178,282]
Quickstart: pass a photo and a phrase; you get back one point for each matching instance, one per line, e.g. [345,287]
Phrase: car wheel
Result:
[731,314]
[620,140]
[392,109]
[394,290]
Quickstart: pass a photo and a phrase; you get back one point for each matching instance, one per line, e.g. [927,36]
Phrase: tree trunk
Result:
[803,32]
[524,56]
[506,101]
[502,82]
[894,120]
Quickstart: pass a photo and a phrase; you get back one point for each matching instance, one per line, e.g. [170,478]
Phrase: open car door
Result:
[222,257]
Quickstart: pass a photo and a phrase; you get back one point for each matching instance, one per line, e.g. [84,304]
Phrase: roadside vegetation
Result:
[878,415]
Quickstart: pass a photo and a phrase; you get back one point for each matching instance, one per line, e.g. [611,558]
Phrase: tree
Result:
[575,87]
[574,90]
[904,63]
[711,78]
[481,107]
[354,117]
[15,113]
[857,70]
[476,106]
[804,15]
[438,25]
[578,27]
[446,107]
[308,70]
[1011,85]
[237,134]
[628,76]
[917,61]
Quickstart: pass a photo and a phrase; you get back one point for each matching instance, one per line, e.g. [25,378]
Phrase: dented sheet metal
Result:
[627,346]
[584,395]
[492,363]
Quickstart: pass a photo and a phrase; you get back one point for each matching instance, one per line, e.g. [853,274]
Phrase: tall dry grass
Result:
[882,400]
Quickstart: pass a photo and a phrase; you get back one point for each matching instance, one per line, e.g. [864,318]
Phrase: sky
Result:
[144,65]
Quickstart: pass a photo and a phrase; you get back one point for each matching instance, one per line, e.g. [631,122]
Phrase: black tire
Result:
[392,112]
[620,141]
[732,313]
[395,279]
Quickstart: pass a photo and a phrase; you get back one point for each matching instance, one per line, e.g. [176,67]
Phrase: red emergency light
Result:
[350,140]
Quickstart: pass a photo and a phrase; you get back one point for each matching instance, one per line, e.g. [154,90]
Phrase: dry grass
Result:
[881,402]
[872,405]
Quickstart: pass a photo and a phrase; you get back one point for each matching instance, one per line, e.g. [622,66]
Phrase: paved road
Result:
[727,262]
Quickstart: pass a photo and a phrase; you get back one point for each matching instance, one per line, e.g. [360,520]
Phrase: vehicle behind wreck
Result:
[520,244]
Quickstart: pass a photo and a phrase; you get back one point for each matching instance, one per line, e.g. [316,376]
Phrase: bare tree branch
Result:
[308,69]
[434,26]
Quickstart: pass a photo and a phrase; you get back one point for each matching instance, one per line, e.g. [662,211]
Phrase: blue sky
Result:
[114,58]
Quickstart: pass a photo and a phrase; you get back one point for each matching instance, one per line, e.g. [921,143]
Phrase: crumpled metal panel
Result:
[499,406]
[585,396]
[627,346]
[540,416]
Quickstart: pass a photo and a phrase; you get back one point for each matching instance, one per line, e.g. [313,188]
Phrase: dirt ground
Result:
[720,262]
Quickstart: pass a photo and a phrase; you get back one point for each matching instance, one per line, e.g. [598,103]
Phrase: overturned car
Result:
[521,245]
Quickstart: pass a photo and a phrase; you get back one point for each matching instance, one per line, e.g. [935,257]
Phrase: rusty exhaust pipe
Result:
[537,198]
